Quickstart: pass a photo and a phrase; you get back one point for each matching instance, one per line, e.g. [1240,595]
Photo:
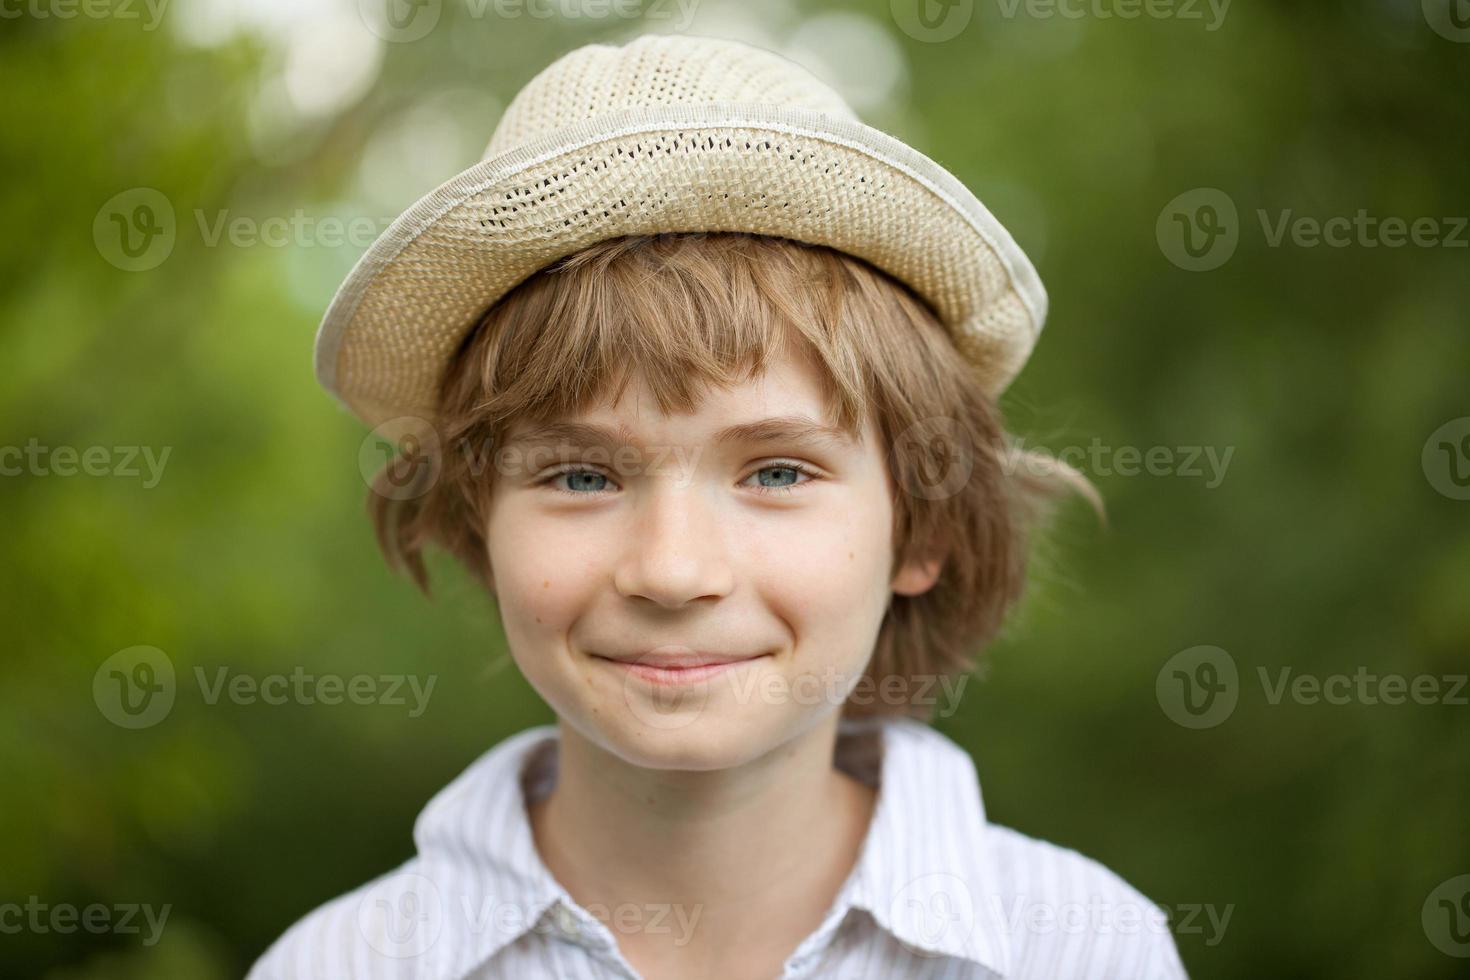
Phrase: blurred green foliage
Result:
[1325,548]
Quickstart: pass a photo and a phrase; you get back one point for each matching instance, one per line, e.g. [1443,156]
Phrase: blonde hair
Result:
[687,310]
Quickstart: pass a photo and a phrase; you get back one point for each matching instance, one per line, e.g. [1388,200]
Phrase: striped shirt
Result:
[937,893]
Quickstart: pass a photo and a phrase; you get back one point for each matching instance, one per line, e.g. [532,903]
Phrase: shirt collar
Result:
[922,873]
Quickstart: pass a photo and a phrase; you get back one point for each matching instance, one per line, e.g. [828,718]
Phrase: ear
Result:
[918,575]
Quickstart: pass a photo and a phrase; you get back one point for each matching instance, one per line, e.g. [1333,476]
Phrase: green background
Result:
[1328,547]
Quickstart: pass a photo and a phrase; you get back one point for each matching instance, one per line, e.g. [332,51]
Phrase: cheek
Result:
[543,576]
[827,575]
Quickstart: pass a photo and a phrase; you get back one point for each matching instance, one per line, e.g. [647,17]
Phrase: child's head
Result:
[866,561]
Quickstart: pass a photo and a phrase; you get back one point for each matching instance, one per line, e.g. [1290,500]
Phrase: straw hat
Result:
[668,133]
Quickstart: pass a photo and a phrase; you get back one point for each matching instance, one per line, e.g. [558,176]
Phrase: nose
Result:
[676,551]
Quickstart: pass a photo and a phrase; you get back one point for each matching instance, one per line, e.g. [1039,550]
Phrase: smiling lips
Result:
[679,665]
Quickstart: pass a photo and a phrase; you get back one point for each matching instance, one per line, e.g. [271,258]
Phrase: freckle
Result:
[538,620]
[546,584]
[849,556]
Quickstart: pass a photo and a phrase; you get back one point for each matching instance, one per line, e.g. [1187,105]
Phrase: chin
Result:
[698,739]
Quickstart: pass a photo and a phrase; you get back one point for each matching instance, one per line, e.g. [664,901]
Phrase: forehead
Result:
[785,403]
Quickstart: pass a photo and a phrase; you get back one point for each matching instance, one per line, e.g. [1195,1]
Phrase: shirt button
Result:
[567,922]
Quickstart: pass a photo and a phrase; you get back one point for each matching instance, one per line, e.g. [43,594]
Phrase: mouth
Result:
[671,666]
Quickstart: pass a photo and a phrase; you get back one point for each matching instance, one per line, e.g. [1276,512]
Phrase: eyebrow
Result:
[781,428]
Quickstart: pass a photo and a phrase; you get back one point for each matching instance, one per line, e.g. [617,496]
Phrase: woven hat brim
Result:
[788,172]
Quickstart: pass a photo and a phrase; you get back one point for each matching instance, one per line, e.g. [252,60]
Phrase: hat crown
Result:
[657,70]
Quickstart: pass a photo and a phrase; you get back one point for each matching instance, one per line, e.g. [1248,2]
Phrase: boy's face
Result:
[672,540]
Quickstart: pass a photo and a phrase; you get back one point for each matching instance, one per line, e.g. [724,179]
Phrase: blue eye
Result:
[584,483]
[784,469]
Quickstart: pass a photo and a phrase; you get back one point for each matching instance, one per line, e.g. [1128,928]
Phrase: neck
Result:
[733,850]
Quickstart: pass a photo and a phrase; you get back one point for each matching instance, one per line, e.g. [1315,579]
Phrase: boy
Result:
[698,374]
